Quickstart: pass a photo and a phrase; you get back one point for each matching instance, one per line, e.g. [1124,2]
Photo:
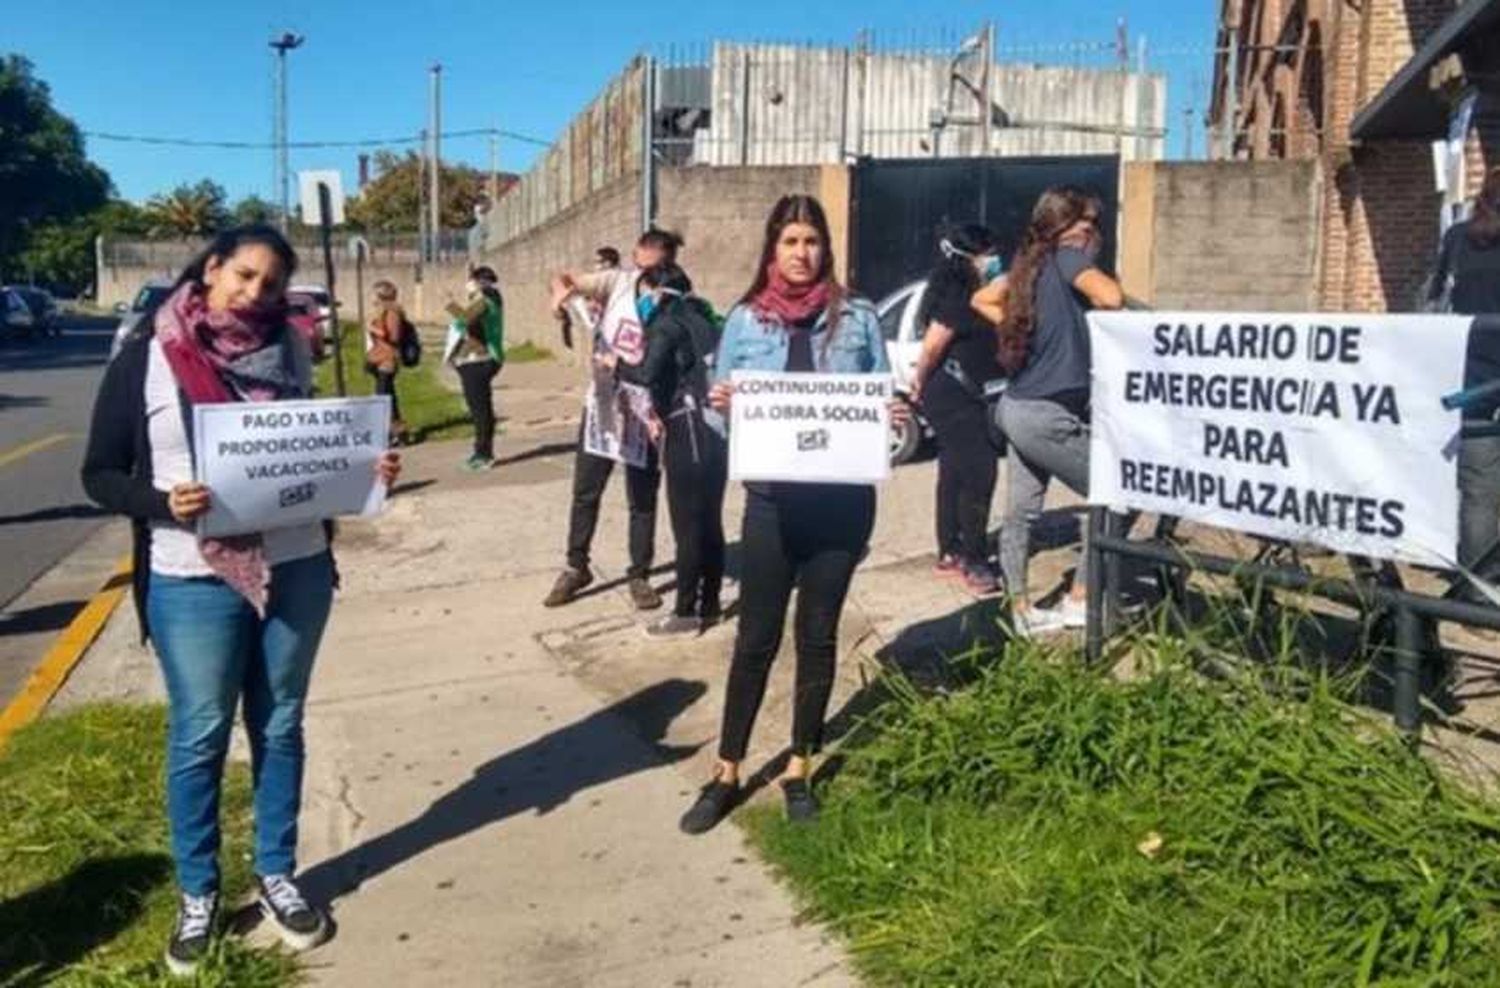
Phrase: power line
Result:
[263,145]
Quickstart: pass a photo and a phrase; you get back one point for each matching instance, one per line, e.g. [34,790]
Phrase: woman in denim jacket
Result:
[795,317]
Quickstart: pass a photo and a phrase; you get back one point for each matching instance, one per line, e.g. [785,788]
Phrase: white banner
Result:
[1319,428]
[614,420]
[272,465]
[810,428]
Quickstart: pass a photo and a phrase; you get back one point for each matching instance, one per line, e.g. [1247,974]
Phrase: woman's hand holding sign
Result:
[900,411]
[187,502]
[720,395]
[388,467]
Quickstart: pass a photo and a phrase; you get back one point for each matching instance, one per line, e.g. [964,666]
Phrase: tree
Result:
[188,210]
[253,209]
[45,177]
[389,203]
[61,254]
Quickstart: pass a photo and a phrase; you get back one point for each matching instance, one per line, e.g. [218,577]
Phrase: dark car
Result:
[41,305]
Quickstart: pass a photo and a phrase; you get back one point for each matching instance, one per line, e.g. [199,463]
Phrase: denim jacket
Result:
[857,346]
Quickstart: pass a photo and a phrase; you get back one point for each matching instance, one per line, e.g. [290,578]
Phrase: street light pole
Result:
[434,204]
[281,175]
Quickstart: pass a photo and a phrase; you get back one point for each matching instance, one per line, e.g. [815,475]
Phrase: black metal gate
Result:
[900,207]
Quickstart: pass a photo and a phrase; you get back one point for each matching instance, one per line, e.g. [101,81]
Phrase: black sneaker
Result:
[801,807]
[300,926]
[569,582]
[197,918]
[643,595]
[713,804]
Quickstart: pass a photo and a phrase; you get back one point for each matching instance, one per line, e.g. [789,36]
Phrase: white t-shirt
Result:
[174,547]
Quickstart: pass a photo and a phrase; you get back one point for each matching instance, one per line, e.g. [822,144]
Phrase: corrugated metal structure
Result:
[775,104]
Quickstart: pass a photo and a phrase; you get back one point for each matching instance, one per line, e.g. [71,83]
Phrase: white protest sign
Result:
[1323,428]
[810,428]
[614,420]
[272,465]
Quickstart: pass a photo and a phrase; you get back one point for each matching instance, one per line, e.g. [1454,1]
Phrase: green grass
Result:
[1046,824]
[87,896]
[430,409]
[527,352]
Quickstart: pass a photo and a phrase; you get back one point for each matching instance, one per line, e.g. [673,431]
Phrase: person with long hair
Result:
[1468,270]
[479,356]
[384,335]
[230,618]
[957,364]
[1040,309]
[681,340]
[795,317]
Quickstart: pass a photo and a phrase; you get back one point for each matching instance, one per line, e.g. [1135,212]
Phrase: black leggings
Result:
[696,461]
[967,469]
[590,477]
[385,384]
[477,379]
[810,535]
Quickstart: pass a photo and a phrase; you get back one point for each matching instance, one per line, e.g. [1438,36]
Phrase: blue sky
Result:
[170,69]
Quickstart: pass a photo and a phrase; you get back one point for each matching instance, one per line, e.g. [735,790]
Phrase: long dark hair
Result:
[1484,225]
[226,242]
[953,281]
[789,210]
[1056,212]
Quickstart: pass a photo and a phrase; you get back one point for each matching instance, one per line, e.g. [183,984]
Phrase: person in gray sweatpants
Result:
[1044,345]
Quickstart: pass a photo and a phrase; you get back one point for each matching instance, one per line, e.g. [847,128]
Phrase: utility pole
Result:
[434,203]
[422,206]
[281,174]
[494,168]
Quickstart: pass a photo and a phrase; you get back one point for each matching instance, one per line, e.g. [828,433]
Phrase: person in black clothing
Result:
[681,339]
[797,318]
[1468,271]
[957,364]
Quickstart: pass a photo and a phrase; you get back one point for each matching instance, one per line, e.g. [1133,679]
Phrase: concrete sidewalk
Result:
[493,788]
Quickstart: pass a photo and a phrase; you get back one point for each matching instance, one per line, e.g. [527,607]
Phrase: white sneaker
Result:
[1037,621]
[1075,613]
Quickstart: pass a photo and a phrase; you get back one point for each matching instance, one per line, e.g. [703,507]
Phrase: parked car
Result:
[325,306]
[304,315]
[42,305]
[16,315]
[903,345]
[151,294]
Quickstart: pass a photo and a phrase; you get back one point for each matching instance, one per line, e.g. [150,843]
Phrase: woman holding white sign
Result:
[1044,345]
[229,617]
[795,317]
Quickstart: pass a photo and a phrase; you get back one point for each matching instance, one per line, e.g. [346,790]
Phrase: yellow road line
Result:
[63,657]
[26,449]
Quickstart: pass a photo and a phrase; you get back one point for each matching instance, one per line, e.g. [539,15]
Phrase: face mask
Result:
[645,306]
[993,268]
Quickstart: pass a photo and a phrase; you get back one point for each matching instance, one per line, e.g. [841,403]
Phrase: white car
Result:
[320,295]
[151,294]
[903,345]
[15,314]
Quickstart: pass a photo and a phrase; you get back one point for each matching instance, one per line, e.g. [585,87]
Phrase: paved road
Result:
[46,394]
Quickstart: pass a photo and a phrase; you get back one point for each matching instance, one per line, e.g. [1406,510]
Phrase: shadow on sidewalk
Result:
[540,776]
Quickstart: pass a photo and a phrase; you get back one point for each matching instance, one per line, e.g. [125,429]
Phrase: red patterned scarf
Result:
[788,304]
[221,357]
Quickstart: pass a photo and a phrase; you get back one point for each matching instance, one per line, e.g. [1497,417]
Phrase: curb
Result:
[65,654]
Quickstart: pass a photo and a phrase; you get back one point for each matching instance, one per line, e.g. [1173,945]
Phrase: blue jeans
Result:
[213,649]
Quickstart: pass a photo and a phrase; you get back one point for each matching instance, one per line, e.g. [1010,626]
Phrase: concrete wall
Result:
[1239,236]
[720,212]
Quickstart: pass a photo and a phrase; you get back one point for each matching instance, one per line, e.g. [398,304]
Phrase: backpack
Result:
[703,337]
[410,346]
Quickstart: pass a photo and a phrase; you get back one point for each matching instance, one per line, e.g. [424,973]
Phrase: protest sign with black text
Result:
[810,428]
[1325,428]
[272,465]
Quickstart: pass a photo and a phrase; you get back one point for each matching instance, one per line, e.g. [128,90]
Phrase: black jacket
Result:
[117,461]
[681,340]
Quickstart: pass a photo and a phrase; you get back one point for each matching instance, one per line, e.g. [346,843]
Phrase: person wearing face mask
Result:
[230,618]
[957,364]
[478,354]
[619,338]
[682,338]
[1040,308]
[795,317]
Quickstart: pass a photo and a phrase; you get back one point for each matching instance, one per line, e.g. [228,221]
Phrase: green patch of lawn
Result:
[1048,825]
[87,895]
[527,352]
[429,408]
